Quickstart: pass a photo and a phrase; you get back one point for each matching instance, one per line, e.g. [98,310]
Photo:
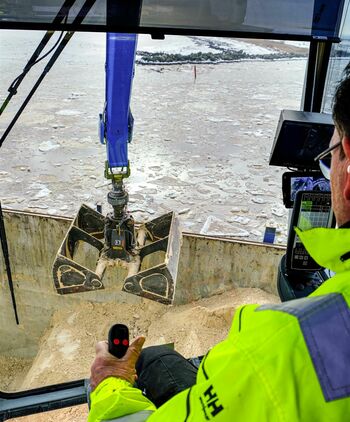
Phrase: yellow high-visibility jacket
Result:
[284,362]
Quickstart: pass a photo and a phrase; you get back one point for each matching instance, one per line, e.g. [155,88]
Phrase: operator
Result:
[283,362]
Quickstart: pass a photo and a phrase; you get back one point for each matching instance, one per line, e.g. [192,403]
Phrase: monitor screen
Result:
[308,183]
[295,181]
[314,212]
[300,137]
[311,209]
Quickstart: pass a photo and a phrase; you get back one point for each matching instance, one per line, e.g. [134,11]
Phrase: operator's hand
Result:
[106,365]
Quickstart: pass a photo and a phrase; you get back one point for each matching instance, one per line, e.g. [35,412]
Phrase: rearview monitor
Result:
[300,136]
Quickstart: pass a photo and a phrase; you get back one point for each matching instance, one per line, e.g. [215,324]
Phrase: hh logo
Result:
[210,403]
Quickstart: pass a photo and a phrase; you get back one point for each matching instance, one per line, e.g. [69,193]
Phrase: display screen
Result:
[314,214]
[300,137]
[308,183]
[312,209]
[295,181]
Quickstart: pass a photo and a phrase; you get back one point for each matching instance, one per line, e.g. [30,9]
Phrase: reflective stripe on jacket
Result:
[287,362]
[134,417]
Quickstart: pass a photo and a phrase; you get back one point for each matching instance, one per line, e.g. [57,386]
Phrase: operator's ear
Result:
[346,148]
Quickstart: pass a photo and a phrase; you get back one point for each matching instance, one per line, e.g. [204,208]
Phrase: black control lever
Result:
[118,340]
[118,343]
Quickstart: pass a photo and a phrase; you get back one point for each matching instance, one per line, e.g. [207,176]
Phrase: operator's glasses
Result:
[325,164]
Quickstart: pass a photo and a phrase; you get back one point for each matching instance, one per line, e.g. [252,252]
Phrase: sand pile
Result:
[67,348]
[12,372]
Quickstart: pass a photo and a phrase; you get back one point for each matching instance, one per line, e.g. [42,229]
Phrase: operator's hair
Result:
[341,104]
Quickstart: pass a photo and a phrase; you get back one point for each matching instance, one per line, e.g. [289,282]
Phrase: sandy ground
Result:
[12,372]
[67,348]
[201,146]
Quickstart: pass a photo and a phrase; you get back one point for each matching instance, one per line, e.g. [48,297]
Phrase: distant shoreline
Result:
[147,58]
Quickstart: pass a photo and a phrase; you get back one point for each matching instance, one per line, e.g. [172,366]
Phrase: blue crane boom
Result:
[117,120]
[116,131]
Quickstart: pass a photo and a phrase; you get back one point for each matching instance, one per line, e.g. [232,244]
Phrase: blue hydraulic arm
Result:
[116,123]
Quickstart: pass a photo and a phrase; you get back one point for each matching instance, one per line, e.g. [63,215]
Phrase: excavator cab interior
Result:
[114,236]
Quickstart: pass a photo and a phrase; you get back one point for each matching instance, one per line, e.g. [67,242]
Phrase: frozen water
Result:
[47,146]
[200,146]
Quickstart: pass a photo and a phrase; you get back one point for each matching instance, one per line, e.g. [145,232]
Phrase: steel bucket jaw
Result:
[70,275]
[159,260]
[80,263]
